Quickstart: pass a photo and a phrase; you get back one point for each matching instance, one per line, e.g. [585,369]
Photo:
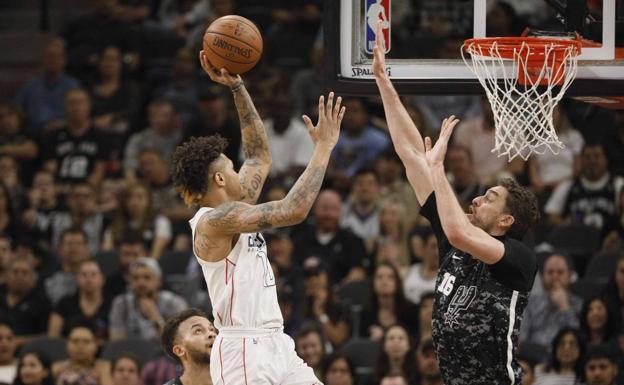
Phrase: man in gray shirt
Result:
[553,308]
[141,312]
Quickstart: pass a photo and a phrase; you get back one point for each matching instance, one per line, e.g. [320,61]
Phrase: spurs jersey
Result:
[242,285]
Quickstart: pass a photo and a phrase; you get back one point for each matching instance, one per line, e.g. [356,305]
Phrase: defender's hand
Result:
[221,76]
[435,156]
[379,53]
[327,129]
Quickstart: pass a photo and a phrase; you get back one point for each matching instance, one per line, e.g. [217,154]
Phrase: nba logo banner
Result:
[377,10]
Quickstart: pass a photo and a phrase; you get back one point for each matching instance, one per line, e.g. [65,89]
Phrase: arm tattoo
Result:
[255,142]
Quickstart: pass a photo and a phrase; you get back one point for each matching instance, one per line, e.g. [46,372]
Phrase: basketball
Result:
[234,43]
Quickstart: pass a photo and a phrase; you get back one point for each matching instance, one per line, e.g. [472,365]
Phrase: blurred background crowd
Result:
[95,248]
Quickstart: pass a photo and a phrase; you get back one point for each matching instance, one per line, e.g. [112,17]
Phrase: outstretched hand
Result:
[379,52]
[435,156]
[327,129]
[221,76]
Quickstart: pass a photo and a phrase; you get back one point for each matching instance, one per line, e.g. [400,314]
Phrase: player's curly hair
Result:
[191,159]
[522,205]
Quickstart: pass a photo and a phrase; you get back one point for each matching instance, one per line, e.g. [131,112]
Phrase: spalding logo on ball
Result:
[234,43]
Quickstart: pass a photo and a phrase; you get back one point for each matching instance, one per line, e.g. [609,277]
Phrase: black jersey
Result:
[478,309]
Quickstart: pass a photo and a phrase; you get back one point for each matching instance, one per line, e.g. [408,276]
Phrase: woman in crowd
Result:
[565,365]
[90,302]
[136,213]
[614,291]
[126,370]
[397,356]
[421,277]
[387,305]
[598,322]
[339,370]
[33,368]
[82,366]
[391,244]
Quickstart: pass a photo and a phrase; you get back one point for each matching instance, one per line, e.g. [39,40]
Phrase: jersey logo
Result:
[268,276]
[460,302]
[256,241]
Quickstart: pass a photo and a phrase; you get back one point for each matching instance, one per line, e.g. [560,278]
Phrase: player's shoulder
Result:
[516,246]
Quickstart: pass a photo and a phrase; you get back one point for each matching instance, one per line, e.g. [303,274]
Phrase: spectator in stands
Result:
[310,346]
[339,370]
[75,152]
[397,355]
[165,199]
[306,83]
[126,370]
[592,198]
[289,142]
[547,170]
[160,370]
[341,251]
[393,185]
[24,306]
[14,141]
[391,244]
[428,369]
[613,292]
[94,30]
[188,338]
[43,205]
[393,380]
[136,213]
[477,135]
[554,308]
[140,313]
[132,11]
[42,96]
[182,89]
[82,365]
[360,213]
[280,249]
[320,304]
[614,142]
[425,315]
[34,368]
[565,365]
[6,255]
[90,303]
[528,370]
[11,178]
[290,312]
[421,277]
[72,252]
[598,321]
[359,143]
[163,134]
[8,363]
[387,304]
[9,222]
[116,101]
[82,213]
[130,248]
[601,366]
[215,118]
[463,176]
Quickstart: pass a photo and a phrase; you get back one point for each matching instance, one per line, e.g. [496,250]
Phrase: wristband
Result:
[237,87]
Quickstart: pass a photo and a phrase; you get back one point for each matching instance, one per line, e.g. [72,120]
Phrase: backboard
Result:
[424,39]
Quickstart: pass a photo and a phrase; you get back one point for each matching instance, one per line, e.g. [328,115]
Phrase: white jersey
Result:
[242,285]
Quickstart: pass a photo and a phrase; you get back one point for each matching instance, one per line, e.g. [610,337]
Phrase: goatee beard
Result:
[198,357]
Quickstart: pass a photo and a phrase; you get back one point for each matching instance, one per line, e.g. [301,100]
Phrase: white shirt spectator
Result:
[552,168]
[415,284]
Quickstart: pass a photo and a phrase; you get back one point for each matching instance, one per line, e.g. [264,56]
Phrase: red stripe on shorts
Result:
[244,365]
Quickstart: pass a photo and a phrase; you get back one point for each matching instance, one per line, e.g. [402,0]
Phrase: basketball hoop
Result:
[534,74]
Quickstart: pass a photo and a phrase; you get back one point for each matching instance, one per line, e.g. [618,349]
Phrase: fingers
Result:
[341,115]
[330,106]
[427,144]
[308,122]
[337,108]
[379,40]
[321,108]
[207,66]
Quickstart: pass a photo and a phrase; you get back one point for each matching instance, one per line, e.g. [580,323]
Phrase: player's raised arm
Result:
[407,140]
[257,162]
[240,217]
[459,230]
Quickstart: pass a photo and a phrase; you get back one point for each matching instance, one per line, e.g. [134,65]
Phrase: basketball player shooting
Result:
[251,347]
[485,272]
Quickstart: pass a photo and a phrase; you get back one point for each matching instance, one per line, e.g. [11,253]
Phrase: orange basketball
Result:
[234,43]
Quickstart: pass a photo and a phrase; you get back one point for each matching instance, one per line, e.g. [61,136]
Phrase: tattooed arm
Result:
[216,227]
[257,163]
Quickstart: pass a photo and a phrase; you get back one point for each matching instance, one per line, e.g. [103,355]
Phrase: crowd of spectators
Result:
[95,248]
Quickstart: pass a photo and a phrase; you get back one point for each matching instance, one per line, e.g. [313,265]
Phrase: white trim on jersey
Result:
[512,320]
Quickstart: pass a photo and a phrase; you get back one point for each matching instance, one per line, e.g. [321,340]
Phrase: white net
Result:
[523,91]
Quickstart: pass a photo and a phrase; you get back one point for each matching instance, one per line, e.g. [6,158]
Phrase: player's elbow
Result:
[299,214]
[457,237]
